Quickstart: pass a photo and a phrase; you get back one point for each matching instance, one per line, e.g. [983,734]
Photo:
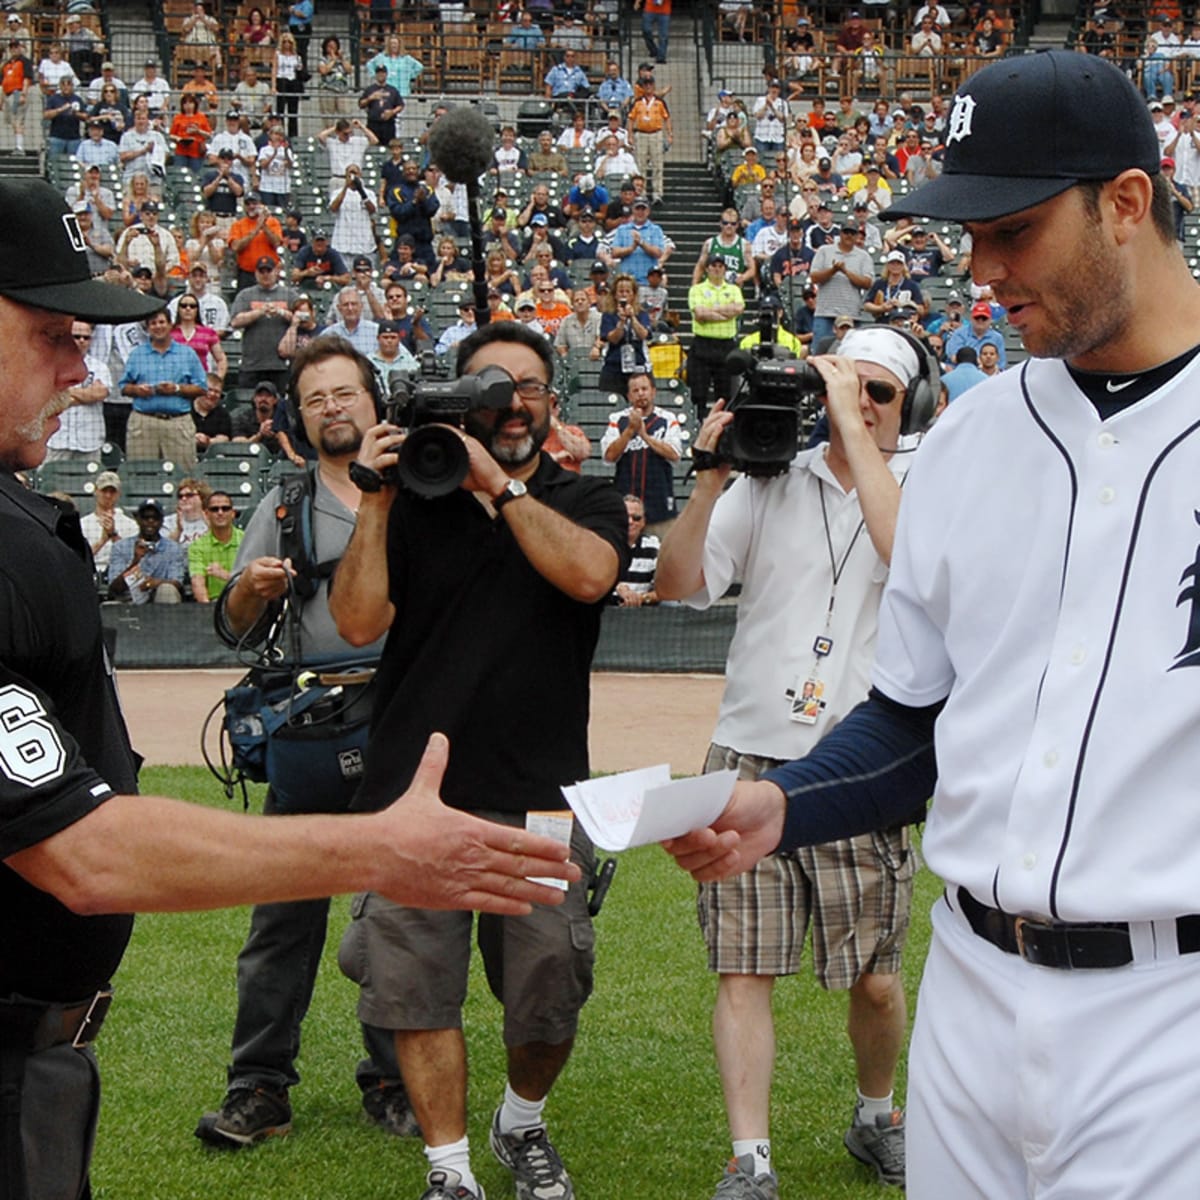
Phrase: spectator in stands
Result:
[275,166]
[508,156]
[624,335]
[586,244]
[989,359]
[650,135]
[749,172]
[1181,197]
[868,189]
[543,254]
[345,142]
[96,150]
[97,241]
[147,567]
[415,330]
[334,74]
[988,41]
[451,266]
[614,126]
[830,185]
[147,243]
[107,523]
[640,244]
[848,39]
[188,522]
[546,158]
[498,270]
[926,41]
[734,251]
[155,89]
[320,262]
[361,333]
[80,433]
[382,104]
[288,87]
[940,14]
[108,75]
[580,332]
[460,329]
[84,50]
[789,263]
[541,205]
[401,68]
[211,556]
[616,163]
[570,32]
[551,309]
[926,257]
[63,112]
[52,69]
[99,199]
[585,193]
[263,313]
[402,263]
[15,30]
[221,189]
[734,15]
[16,78]
[567,80]
[235,146]
[190,132]
[253,237]
[525,35]
[257,34]
[715,303]
[848,157]
[390,353]
[615,93]
[253,97]
[299,22]
[979,333]
[772,236]
[770,113]
[964,375]
[842,272]
[256,424]
[143,150]
[189,330]
[301,329]
[894,290]
[732,135]
[162,378]
[202,31]
[412,206]
[644,443]
[577,136]
[213,424]
[635,586]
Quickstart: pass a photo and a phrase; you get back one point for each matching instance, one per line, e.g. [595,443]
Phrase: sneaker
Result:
[538,1172]
[249,1115]
[740,1183]
[445,1184]
[880,1146]
[387,1105]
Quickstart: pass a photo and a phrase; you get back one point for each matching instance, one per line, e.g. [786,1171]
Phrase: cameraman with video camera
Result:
[491,594]
[810,545]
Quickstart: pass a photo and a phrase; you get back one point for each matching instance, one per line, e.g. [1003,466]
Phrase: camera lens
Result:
[433,461]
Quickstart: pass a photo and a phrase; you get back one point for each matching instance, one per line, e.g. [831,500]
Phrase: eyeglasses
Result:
[220,508]
[880,391]
[342,398]
[82,337]
[728,222]
[532,389]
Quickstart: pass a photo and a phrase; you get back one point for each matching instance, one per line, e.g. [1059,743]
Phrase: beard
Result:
[502,447]
[340,437]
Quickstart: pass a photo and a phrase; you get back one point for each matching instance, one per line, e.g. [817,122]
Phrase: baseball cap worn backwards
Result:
[43,259]
[1092,125]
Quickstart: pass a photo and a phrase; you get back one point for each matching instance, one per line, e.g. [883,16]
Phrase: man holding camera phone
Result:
[491,597]
[811,547]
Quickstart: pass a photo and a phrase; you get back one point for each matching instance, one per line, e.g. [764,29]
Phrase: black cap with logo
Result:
[1091,125]
[43,259]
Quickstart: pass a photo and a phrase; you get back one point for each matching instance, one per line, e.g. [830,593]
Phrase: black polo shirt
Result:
[487,651]
[63,745]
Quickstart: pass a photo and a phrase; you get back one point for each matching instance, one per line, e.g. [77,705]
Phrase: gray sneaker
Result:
[880,1145]
[538,1172]
[249,1115]
[445,1184]
[740,1183]
[387,1105]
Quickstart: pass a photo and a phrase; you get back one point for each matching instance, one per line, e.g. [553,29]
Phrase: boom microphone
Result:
[460,145]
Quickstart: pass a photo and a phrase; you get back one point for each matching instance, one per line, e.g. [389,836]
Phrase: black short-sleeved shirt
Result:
[487,651]
[63,744]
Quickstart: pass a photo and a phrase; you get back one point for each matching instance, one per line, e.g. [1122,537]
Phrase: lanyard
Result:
[824,644]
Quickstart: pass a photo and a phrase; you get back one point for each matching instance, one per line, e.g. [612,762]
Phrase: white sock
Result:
[519,1113]
[759,1149]
[454,1156]
[20,141]
[868,1108]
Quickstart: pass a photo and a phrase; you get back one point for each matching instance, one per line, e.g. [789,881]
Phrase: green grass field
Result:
[637,1113]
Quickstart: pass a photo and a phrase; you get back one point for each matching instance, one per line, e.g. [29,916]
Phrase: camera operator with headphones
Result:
[291,546]
[811,547]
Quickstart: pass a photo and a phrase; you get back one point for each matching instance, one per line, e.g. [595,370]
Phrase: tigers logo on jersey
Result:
[958,127]
[1189,655]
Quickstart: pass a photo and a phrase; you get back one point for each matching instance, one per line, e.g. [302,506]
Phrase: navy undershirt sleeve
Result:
[875,770]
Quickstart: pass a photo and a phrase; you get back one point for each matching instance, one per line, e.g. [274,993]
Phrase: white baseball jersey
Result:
[1046,579]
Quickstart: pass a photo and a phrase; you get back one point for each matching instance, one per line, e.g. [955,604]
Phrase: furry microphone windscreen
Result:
[461,144]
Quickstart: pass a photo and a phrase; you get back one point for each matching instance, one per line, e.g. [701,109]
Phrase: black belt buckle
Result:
[92,1019]
[1082,947]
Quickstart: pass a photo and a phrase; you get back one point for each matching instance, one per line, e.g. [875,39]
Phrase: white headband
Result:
[885,348]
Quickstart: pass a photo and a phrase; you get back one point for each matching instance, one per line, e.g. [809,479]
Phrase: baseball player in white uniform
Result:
[1041,629]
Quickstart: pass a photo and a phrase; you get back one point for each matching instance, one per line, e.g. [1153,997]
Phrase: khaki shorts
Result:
[857,894]
[411,964]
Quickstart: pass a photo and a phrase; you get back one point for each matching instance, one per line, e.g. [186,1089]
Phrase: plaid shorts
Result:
[857,893]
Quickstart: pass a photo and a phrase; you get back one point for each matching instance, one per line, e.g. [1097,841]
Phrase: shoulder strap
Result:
[294,512]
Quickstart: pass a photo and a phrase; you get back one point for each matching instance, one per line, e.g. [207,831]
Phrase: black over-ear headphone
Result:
[338,347]
[924,390]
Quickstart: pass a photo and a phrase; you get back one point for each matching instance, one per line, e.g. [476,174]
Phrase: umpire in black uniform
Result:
[77,848]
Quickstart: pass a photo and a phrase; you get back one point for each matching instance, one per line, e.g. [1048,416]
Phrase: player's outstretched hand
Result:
[439,857]
[748,830]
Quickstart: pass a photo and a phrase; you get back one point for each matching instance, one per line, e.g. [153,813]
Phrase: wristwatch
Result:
[514,489]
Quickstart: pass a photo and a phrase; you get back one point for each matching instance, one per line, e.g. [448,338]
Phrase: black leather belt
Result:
[163,416]
[41,1026]
[1066,946]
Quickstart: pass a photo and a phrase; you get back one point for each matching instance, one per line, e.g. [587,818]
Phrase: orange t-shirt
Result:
[15,73]
[259,245]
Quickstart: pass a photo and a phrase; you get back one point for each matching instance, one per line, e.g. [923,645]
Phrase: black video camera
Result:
[433,460]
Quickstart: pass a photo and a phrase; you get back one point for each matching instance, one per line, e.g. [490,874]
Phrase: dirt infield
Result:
[637,720]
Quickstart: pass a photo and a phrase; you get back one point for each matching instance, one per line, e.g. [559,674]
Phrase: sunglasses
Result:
[220,508]
[187,495]
[880,391]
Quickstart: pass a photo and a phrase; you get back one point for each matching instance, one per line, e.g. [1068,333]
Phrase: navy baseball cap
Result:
[43,259]
[1092,124]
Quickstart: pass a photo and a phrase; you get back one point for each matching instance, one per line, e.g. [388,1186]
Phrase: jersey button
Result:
[1107,495]
[1050,758]
[1077,656]
[1029,861]
[1105,440]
